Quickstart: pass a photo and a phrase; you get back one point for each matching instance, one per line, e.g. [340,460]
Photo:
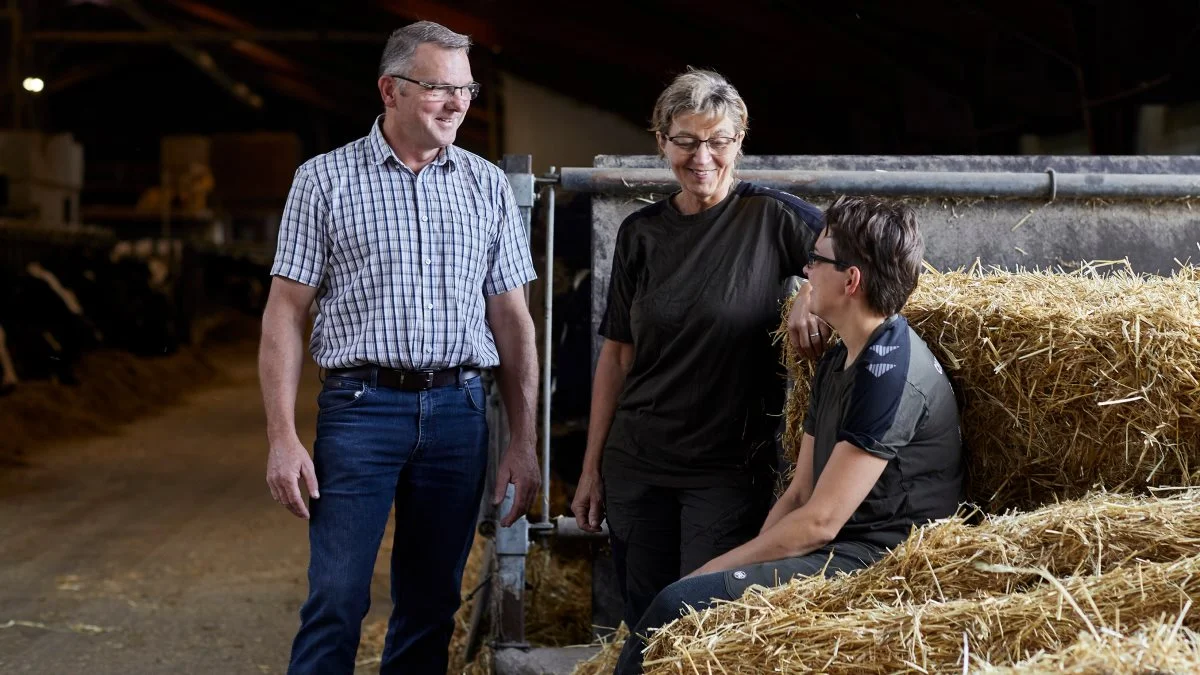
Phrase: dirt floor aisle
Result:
[157,550]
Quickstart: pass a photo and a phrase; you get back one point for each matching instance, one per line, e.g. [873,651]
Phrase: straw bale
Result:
[764,633]
[940,561]
[1073,380]
[604,661]
[1159,647]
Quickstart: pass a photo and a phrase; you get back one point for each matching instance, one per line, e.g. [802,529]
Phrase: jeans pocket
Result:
[473,393]
[340,393]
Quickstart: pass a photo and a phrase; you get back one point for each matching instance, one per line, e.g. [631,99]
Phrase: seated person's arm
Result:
[800,489]
[844,484]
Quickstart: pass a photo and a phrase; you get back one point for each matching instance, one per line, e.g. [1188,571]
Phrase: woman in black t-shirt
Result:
[688,388]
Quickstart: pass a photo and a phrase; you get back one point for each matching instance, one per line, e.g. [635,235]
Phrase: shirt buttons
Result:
[428,350]
[424,219]
[429,261]
[429,305]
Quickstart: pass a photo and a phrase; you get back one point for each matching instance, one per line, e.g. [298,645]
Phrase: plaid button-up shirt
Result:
[402,261]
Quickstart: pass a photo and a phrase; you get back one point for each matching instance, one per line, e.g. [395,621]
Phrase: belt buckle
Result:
[428,375]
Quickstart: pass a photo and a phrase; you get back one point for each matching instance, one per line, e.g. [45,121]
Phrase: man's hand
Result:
[588,505]
[808,332]
[519,466]
[288,465]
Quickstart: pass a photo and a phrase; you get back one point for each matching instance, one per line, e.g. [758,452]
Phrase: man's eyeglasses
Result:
[814,257]
[716,144]
[444,92]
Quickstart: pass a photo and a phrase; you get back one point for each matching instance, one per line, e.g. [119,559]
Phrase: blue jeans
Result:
[426,452]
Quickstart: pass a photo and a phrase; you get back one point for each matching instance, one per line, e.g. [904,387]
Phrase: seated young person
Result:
[881,451]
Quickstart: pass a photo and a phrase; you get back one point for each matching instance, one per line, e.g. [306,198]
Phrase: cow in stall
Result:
[46,330]
[141,277]
[129,291]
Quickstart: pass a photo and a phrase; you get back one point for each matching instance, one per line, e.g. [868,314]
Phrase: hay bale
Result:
[1073,380]
[1159,647]
[941,561]
[763,633]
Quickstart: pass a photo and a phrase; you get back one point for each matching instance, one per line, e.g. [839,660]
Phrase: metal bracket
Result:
[523,188]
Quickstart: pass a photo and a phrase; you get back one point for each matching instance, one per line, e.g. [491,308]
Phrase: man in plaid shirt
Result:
[415,253]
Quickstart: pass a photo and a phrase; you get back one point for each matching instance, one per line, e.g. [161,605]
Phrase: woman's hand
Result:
[588,505]
[807,331]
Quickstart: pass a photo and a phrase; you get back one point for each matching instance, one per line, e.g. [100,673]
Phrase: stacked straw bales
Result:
[933,637]
[1073,381]
[999,593]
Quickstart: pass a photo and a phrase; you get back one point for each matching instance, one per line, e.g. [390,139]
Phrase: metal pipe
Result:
[907,183]
[547,346]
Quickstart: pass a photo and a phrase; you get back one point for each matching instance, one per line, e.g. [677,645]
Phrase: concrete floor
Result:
[159,549]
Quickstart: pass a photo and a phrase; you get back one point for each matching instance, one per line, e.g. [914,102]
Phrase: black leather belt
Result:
[407,380]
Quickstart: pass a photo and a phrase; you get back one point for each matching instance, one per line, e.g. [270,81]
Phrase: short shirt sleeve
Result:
[303,243]
[816,386]
[510,264]
[883,409]
[800,225]
[622,286]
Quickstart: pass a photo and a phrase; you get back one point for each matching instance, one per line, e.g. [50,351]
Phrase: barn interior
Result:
[148,148]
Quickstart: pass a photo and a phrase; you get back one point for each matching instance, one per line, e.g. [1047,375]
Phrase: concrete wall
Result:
[1011,233]
[560,131]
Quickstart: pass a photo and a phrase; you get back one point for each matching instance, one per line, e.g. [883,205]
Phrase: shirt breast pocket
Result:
[467,246]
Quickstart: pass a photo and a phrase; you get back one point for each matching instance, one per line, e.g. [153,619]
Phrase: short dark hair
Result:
[881,237]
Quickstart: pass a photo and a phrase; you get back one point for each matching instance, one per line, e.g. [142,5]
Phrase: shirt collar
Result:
[382,151]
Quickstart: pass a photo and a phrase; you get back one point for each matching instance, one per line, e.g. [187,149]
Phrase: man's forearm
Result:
[280,360]
[517,377]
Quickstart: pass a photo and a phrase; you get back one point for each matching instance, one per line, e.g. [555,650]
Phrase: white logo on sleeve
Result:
[937,366]
[739,575]
[878,369]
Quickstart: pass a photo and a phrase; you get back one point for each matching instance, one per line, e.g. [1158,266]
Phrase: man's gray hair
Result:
[403,43]
[701,92]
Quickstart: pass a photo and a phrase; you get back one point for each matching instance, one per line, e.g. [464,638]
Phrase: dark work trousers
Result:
[700,591]
[660,534]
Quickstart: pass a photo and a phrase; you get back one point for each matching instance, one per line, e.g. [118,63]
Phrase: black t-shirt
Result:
[698,297]
[896,403]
